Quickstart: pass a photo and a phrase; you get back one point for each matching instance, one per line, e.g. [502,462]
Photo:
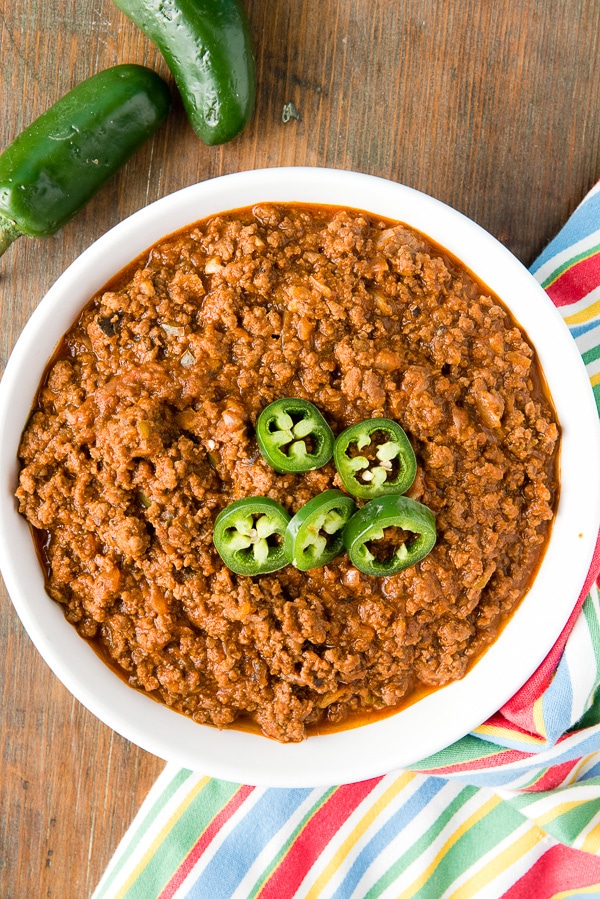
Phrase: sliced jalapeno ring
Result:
[293,436]
[248,535]
[374,458]
[405,528]
[315,535]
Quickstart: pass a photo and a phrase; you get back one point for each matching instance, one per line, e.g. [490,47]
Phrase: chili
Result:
[315,534]
[293,436]
[374,458]
[208,48]
[67,154]
[248,535]
[415,522]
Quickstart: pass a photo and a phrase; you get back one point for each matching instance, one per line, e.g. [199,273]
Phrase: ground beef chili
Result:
[143,430]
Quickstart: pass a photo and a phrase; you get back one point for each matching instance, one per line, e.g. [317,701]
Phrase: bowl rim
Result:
[433,722]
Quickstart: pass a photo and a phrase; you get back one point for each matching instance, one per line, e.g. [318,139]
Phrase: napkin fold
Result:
[511,810]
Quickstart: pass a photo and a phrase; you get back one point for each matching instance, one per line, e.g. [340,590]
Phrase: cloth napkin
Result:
[512,810]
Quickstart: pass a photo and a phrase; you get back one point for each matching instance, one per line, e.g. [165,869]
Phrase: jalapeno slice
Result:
[293,436]
[248,535]
[405,528]
[374,458]
[315,534]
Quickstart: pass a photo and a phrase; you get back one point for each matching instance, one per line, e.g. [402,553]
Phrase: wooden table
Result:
[491,107]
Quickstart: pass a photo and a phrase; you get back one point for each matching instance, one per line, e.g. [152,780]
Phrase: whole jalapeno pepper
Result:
[207,46]
[248,535]
[67,154]
[411,538]
[374,458]
[315,534]
[293,436]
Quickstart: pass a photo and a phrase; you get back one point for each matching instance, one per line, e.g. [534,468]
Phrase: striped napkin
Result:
[512,810]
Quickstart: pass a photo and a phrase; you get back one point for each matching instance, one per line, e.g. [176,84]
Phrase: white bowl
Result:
[440,718]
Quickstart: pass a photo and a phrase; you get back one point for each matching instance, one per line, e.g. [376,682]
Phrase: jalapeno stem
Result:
[8,234]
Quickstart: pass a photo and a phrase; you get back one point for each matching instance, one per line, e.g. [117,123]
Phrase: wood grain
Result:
[491,107]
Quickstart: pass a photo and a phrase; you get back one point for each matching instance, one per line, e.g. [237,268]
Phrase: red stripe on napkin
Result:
[204,841]
[553,778]
[309,844]
[556,871]
[576,282]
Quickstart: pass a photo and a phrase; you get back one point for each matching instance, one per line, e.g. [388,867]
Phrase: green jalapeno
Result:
[315,535]
[293,436]
[207,46]
[67,154]
[374,458]
[248,535]
[405,528]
